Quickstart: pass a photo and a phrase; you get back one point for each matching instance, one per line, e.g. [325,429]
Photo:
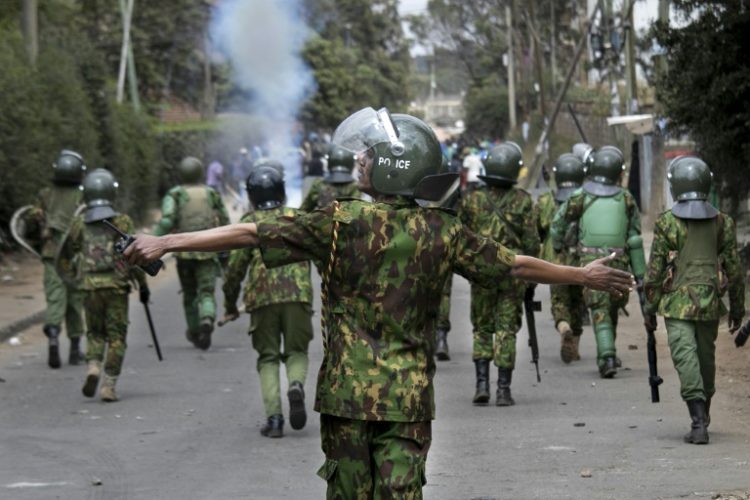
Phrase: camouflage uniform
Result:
[604,306]
[375,389]
[566,299]
[106,281]
[197,271]
[279,302]
[54,210]
[691,310]
[444,312]
[506,216]
[322,194]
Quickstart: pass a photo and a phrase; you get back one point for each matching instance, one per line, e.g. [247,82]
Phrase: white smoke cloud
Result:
[262,40]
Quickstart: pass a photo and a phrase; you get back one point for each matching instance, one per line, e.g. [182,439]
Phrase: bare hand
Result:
[144,249]
[228,317]
[599,276]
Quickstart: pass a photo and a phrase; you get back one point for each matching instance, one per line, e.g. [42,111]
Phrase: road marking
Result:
[13,486]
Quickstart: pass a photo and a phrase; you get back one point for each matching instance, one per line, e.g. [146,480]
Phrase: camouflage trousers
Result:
[64,302]
[198,281]
[444,313]
[567,302]
[107,320]
[693,348]
[271,326]
[373,459]
[496,319]
[604,310]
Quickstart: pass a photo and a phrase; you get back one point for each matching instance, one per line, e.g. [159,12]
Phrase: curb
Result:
[7,331]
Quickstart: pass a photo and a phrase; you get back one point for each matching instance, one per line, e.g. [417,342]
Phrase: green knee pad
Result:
[505,350]
[605,341]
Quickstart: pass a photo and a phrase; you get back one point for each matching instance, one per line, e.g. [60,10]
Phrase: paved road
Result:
[187,428]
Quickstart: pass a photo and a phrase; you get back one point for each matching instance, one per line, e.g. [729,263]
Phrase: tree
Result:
[706,89]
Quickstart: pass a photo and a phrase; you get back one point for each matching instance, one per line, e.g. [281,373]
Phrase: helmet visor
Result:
[365,129]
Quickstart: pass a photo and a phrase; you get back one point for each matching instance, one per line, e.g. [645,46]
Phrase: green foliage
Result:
[706,90]
[486,108]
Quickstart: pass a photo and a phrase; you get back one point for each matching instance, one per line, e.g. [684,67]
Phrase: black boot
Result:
[76,356]
[503,397]
[698,429]
[204,337]
[482,396]
[609,368]
[441,350]
[53,334]
[297,415]
[274,427]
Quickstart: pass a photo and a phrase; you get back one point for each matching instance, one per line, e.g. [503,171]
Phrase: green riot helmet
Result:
[270,162]
[603,171]
[404,150]
[265,186]
[191,170]
[689,182]
[502,165]
[340,165]
[568,170]
[99,192]
[69,168]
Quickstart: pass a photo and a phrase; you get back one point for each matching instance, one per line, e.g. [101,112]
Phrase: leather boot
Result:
[76,356]
[107,391]
[53,334]
[503,397]
[297,415]
[698,429]
[92,378]
[441,350]
[204,337]
[567,343]
[609,368]
[274,427]
[482,396]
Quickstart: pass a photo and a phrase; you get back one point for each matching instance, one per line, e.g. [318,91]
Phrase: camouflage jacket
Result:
[565,231]
[544,212]
[171,205]
[504,215]
[53,211]
[290,283]
[120,275]
[391,262]
[322,194]
[694,302]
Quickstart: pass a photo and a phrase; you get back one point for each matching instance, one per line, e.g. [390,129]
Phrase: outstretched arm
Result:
[596,275]
[147,248]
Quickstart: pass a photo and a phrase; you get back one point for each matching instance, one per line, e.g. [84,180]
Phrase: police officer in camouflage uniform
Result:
[384,267]
[602,218]
[566,299]
[106,281]
[338,182]
[279,301]
[505,214]
[193,206]
[54,211]
[693,262]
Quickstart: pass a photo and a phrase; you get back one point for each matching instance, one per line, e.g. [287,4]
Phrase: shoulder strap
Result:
[325,284]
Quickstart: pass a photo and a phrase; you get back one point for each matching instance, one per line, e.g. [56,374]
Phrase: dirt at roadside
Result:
[21,290]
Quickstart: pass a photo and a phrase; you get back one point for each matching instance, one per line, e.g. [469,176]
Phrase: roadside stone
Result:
[586,473]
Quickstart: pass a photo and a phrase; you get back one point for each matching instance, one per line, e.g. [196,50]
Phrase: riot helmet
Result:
[502,164]
[69,168]
[265,185]
[569,174]
[690,182]
[583,152]
[404,150]
[340,165]
[603,171]
[191,170]
[99,192]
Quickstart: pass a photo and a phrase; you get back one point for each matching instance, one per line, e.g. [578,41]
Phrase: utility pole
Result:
[553,45]
[630,73]
[511,68]
[539,73]
[30,29]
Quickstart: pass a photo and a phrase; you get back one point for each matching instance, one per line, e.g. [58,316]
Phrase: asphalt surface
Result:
[188,427]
